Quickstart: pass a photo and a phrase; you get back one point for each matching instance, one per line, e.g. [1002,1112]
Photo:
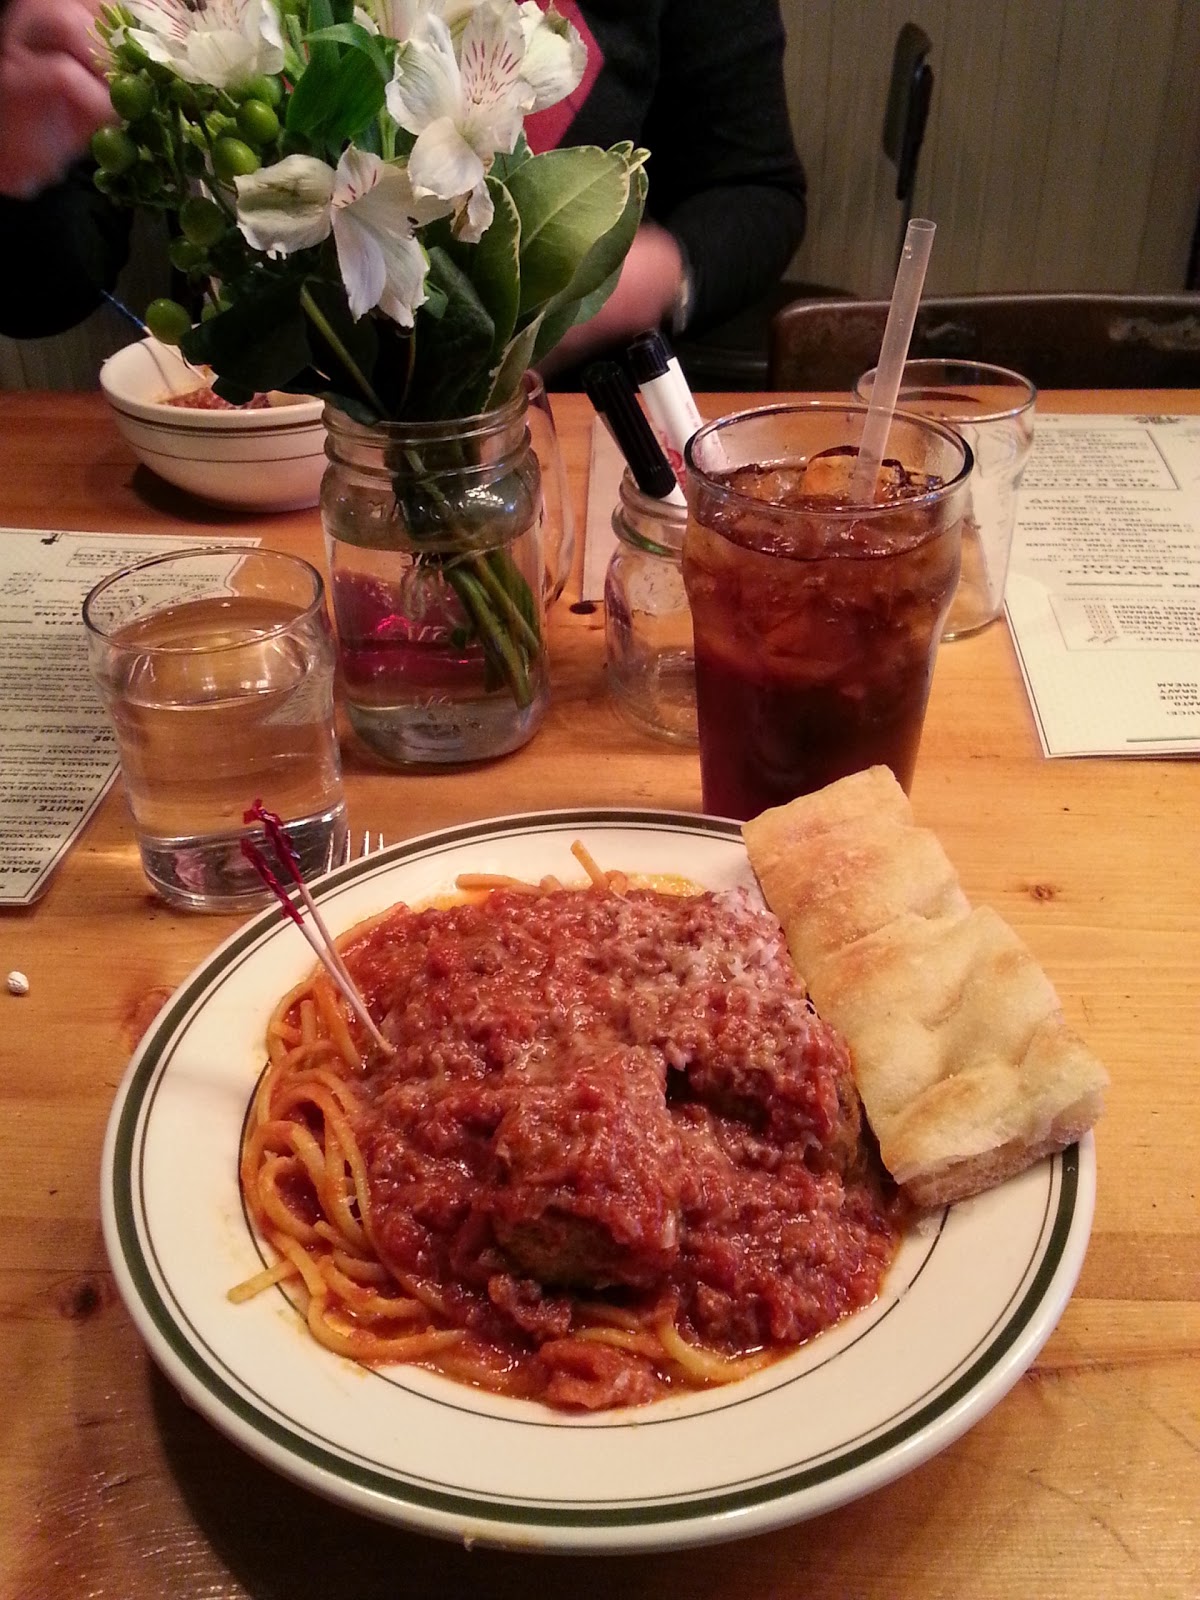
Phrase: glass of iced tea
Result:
[216,667]
[816,617]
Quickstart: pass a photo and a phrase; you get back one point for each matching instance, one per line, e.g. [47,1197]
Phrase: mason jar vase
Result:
[433,540]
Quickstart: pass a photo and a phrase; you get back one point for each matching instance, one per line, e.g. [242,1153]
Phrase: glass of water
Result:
[216,668]
[993,409]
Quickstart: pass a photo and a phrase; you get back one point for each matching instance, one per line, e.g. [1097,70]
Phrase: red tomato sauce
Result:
[615,1101]
[204,398]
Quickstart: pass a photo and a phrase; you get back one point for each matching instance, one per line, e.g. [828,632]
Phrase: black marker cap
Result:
[648,356]
[613,396]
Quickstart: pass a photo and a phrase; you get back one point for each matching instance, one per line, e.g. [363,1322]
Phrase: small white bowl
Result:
[269,459]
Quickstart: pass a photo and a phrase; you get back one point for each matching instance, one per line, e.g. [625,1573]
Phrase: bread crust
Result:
[967,1071]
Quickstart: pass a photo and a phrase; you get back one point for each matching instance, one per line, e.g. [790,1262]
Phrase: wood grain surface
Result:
[1083,1481]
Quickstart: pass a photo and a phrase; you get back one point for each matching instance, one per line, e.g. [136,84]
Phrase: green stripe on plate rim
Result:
[399,1492]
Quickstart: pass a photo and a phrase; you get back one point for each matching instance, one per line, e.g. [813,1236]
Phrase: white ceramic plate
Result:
[970,1300]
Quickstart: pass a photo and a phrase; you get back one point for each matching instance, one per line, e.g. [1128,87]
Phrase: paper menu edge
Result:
[606,466]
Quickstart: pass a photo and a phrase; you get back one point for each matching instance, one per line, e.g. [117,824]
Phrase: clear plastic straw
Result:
[893,353]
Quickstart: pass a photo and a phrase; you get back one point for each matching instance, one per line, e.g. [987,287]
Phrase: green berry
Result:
[233,158]
[167,320]
[202,220]
[185,97]
[257,123]
[261,88]
[132,96]
[113,150]
[186,256]
[132,55]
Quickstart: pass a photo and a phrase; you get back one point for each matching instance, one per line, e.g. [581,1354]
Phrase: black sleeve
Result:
[57,252]
[724,174]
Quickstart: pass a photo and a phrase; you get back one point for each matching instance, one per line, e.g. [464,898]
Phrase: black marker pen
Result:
[612,394]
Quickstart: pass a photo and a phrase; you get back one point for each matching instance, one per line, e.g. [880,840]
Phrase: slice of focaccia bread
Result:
[966,1069]
[842,863]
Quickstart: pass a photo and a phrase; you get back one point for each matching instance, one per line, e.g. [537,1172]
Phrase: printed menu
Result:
[57,751]
[1103,593]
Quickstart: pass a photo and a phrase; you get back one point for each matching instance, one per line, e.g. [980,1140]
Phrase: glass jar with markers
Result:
[647,623]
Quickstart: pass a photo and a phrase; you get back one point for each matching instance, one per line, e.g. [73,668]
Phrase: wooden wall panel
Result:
[1075,175]
[1027,52]
[1063,147]
[1168,226]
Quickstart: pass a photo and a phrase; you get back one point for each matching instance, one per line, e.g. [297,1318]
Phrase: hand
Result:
[646,290]
[53,95]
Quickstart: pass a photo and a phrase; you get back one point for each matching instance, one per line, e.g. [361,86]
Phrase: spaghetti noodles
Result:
[613,1153]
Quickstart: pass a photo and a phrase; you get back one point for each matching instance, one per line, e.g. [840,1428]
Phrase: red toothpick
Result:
[326,950]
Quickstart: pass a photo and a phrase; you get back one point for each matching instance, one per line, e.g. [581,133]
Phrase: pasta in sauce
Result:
[615,1153]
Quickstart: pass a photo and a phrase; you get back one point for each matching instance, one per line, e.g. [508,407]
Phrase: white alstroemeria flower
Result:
[475,218]
[371,209]
[555,55]
[288,206]
[221,42]
[462,108]
[376,212]
[392,18]
[396,19]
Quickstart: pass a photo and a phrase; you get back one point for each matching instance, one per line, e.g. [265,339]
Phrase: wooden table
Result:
[1083,1481]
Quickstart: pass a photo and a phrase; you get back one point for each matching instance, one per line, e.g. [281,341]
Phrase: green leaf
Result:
[305,108]
[294,61]
[516,356]
[260,343]
[357,341]
[238,394]
[493,265]
[336,98]
[505,164]
[435,301]
[598,270]
[560,319]
[450,372]
[567,199]
[356,37]
[320,15]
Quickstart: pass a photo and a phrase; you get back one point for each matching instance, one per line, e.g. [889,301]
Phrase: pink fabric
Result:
[545,129]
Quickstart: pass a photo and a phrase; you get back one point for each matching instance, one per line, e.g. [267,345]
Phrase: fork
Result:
[370,842]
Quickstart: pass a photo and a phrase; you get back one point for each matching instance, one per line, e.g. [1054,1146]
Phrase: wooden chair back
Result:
[1057,341]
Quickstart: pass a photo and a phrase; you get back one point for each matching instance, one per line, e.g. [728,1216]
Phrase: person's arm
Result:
[52,93]
[64,242]
[726,204]
[724,174]
[69,244]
